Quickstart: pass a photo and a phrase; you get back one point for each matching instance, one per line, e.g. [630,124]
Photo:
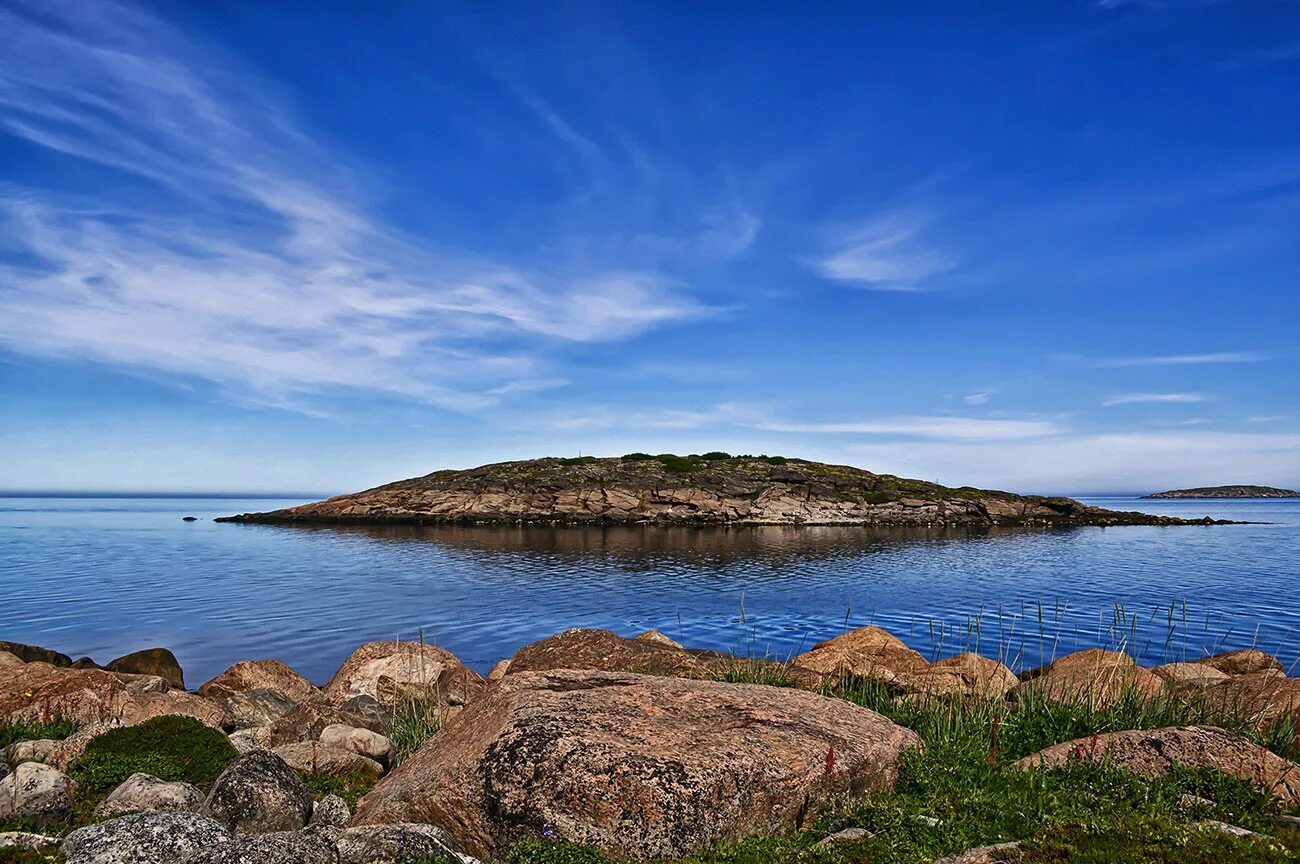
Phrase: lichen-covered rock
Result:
[369,744]
[388,671]
[248,740]
[145,838]
[313,758]
[281,847]
[307,720]
[1243,661]
[637,765]
[1155,752]
[37,793]
[257,794]
[396,844]
[662,639]
[26,841]
[35,750]
[580,648]
[867,652]
[151,661]
[1189,673]
[260,675]
[144,793]
[252,708]
[37,692]
[331,812]
[1094,676]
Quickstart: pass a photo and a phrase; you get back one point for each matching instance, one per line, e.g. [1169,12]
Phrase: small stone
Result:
[145,838]
[372,745]
[27,841]
[248,740]
[37,793]
[1224,827]
[1188,801]
[36,750]
[985,855]
[928,820]
[1290,823]
[259,793]
[848,835]
[144,793]
[331,812]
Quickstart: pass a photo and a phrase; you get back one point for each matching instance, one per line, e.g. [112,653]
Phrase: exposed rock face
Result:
[250,709]
[1094,676]
[26,841]
[868,652]
[144,793]
[982,676]
[35,654]
[741,491]
[281,847]
[395,844]
[1154,753]
[257,794]
[146,838]
[306,721]
[1243,662]
[36,692]
[37,793]
[637,765]
[390,671]
[601,649]
[314,758]
[151,661]
[260,675]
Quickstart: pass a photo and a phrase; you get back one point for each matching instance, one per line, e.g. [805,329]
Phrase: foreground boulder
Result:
[396,844]
[1094,677]
[1154,753]
[257,794]
[636,765]
[260,675]
[144,793]
[606,651]
[281,847]
[36,793]
[151,661]
[146,838]
[392,671]
[867,652]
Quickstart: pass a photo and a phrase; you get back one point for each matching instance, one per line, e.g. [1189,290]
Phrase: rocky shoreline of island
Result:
[711,489]
[1237,491]
[622,748]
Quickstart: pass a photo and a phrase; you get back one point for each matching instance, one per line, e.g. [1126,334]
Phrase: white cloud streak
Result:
[947,428]
[1186,359]
[255,268]
[1154,398]
[886,254]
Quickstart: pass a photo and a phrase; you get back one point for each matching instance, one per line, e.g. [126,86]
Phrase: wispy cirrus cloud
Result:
[1154,398]
[1185,359]
[249,259]
[886,254]
[941,427]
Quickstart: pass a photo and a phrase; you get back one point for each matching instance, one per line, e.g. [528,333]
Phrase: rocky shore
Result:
[593,744]
[711,489]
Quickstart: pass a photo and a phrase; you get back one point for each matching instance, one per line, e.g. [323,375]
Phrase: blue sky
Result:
[1042,246]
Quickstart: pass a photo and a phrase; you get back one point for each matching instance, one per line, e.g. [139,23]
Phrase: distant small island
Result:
[701,489]
[1241,491]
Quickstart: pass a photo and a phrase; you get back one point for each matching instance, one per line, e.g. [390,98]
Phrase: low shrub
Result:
[675,464]
[636,457]
[11,733]
[350,786]
[170,748]
[715,456]
[578,460]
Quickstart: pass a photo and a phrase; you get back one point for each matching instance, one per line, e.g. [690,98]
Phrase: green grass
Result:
[11,733]
[414,722]
[170,748]
[349,787]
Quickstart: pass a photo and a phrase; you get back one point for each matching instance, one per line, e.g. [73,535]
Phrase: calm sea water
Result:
[103,577]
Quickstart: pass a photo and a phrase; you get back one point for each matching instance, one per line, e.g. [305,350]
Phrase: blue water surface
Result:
[102,577]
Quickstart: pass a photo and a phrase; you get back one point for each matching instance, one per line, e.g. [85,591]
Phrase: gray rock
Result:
[36,792]
[331,812]
[251,708]
[1188,801]
[985,855]
[363,742]
[144,793]
[1290,823]
[396,844]
[281,847]
[27,841]
[1225,828]
[367,712]
[248,740]
[259,793]
[145,838]
[37,750]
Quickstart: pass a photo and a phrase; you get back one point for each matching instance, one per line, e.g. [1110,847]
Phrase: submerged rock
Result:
[637,765]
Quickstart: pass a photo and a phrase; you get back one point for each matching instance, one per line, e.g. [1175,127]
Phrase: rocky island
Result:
[708,489]
[1241,491]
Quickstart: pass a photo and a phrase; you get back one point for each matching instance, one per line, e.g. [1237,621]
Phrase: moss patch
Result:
[170,748]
